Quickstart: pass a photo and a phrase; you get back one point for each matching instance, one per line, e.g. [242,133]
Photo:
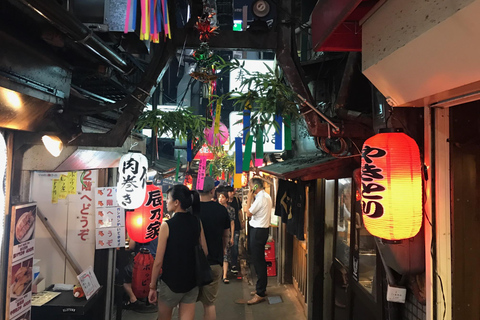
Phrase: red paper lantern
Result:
[143,223]
[188,182]
[391,186]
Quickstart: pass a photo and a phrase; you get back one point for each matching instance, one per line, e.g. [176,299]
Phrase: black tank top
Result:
[179,260]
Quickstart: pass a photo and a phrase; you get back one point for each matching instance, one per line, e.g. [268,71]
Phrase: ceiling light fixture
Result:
[53,144]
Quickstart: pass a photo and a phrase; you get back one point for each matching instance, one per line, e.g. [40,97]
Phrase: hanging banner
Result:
[201,172]
[132,180]
[20,265]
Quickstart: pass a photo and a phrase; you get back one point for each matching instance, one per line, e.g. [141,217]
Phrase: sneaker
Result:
[234,270]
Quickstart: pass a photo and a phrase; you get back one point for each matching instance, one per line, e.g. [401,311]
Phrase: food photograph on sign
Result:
[25,316]
[25,224]
[21,278]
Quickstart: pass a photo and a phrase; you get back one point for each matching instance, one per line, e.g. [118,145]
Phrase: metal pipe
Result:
[55,238]
[324,117]
[75,29]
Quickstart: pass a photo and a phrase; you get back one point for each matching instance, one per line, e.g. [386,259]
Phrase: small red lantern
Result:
[391,186]
[143,224]
[188,182]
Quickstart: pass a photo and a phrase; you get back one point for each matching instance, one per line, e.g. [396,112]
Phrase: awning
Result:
[311,167]
[335,24]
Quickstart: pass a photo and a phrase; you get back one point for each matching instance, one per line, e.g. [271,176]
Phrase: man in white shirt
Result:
[259,212]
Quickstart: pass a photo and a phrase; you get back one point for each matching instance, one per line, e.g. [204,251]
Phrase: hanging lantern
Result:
[188,182]
[245,179]
[216,139]
[391,186]
[132,180]
[143,224]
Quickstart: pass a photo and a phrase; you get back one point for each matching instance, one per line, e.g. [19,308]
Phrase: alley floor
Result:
[282,303]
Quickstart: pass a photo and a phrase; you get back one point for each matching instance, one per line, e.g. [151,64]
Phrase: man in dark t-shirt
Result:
[236,204]
[216,226]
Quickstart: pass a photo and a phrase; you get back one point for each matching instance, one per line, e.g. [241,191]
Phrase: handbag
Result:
[203,272]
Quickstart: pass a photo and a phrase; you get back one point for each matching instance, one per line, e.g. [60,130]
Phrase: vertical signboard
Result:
[132,180]
[20,274]
[109,219]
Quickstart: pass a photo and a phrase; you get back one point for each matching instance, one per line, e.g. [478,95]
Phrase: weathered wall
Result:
[416,49]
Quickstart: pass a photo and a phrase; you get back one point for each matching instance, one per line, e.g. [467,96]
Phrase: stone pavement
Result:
[283,302]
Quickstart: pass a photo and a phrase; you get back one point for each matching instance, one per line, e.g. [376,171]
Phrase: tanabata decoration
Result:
[204,26]
[154,19]
[391,186]
[216,139]
[132,180]
[143,224]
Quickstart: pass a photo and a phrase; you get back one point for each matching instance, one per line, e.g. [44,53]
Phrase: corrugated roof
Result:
[313,166]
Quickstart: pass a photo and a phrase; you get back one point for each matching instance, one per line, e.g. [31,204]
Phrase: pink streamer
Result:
[127,18]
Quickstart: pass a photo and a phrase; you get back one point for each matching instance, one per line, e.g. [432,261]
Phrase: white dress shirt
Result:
[261,209]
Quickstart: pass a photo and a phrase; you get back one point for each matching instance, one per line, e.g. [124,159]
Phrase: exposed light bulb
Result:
[53,144]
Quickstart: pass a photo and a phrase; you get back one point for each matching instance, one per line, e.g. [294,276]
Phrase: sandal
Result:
[226,281]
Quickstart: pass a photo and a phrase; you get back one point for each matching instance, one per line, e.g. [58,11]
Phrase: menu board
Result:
[109,219]
[20,274]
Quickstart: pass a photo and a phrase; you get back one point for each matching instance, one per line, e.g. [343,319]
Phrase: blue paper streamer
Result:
[238,155]
[189,150]
[152,16]
[134,15]
[246,124]
[159,16]
[278,133]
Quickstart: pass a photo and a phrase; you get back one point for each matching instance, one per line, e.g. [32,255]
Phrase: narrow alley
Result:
[281,303]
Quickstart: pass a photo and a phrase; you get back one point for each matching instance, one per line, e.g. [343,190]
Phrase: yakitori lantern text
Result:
[391,186]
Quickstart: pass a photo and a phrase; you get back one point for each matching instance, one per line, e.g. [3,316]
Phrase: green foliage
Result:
[267,94]
[222,162]
[178,124]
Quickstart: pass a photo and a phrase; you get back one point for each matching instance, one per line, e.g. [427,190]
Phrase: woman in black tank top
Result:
[175,255]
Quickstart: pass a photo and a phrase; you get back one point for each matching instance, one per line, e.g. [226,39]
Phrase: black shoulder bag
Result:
[203,272]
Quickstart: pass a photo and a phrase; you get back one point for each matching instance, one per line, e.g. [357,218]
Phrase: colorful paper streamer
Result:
[288,134]
[278,133]
[178,166]
[259,149]
[237,178]
[246,124]
[247,156]
[201,172]
[238,155]
[189,150]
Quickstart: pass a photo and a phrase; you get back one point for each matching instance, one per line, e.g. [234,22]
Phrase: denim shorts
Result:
[172,299]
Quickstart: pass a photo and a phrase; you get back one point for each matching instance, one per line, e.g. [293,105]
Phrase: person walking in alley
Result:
[259,211]
[222,196]
[216,224]
[175,256]
[236,204]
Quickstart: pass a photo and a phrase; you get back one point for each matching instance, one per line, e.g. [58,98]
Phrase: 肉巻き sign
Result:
[132,180]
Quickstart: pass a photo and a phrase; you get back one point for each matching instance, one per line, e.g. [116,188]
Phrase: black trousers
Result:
[258,240]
